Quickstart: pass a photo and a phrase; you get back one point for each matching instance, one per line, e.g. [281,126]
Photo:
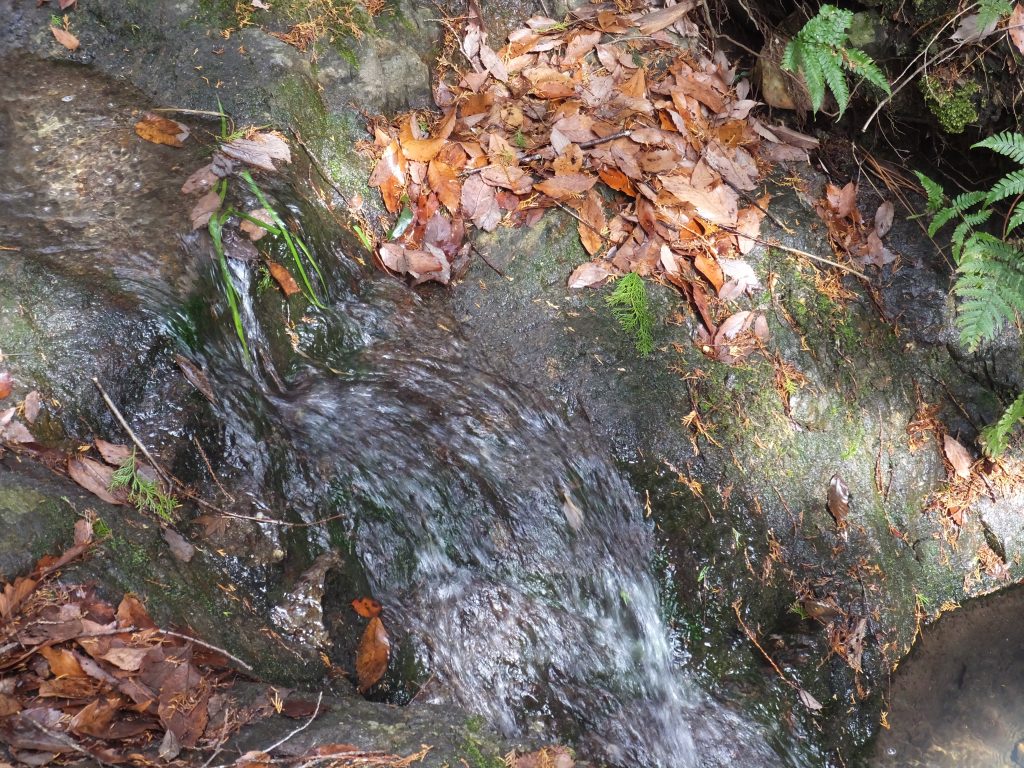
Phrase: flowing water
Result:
[511,555]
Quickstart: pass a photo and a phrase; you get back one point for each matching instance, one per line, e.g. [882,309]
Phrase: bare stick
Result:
[301,728]
[750,636]
[797,252]
[485,260]
[66,740]
[221,651]
[124,424]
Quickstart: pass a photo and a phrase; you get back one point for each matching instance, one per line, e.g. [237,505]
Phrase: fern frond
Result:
[789,56]
[631,308]
[859,63]
[832,70]
[956,207]
[815,79]
[990,285]
[936,194]
[968,223]
[1016,219]
[1011,185]
[991,11]
[996,437]
[1007,143]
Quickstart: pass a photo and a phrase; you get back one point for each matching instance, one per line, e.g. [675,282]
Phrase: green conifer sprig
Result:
[631,308]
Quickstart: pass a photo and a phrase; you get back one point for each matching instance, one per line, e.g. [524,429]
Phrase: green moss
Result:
[954,107]
[476,751]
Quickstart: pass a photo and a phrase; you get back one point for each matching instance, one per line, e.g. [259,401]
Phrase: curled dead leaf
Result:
[254,230]
[373,655]
[283,278]
[838,500]
[590,274]
[161,130]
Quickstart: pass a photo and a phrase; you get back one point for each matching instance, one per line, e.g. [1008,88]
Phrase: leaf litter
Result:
[650,148]
[83,680]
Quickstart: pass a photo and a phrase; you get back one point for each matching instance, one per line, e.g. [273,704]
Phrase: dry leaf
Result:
[283,278]
[566,186]
[425,150]
[113,453]
[592,223]
[161,130]
[373,655]
[94,477]
[6,384]
[589,274]
[444,180]
[31,406]
[253,230]
[389,176]
[838,500]
[883,218]
[958,456]
[259,150]
[809,701]
[1015,27]
[180,548]
[66,39]
[203,210]
[480,204]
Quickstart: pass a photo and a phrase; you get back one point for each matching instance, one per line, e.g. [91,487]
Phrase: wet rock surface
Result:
[742,516]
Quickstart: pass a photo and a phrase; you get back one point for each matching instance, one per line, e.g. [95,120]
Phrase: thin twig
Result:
[753,638]
[134,438]
[66,740]
[771,216]
[304,726]
[316,164]
[485,260]
[210,646]
[796,252]
[209,468]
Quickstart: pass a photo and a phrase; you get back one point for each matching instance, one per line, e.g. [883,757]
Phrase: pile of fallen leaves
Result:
[81,678]
[650,147]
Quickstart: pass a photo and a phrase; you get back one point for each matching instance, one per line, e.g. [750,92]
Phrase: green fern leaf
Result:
[859,63]
[1011,185]
[936,194]
[968,223]
[991,11]
[832,70]
[1007,143]
[990,285]
[1016,219]
[789,56]
[956,207]
[815,79]
[996,438]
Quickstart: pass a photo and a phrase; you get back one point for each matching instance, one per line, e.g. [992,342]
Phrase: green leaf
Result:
[935,192]
[996,437]
[1011,185]
[1007,143]
[859,63]
[834,76]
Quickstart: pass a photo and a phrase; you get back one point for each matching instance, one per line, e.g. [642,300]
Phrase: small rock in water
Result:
[1018,753]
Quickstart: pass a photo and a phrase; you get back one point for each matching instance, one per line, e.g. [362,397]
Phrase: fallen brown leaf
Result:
[958,456]
[65,38]
[161,130]
[95,478]
[283,278]
[373,655]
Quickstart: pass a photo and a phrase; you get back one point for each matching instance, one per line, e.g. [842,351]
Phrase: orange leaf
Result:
[617,180]
[6,384]
[65,38]
[389,176]
[366,607]
[425,150]
[592,223]
[283,277]
[444,180]
[373,655]
[710,269]
[62,662]
[161,130]
[566,186]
